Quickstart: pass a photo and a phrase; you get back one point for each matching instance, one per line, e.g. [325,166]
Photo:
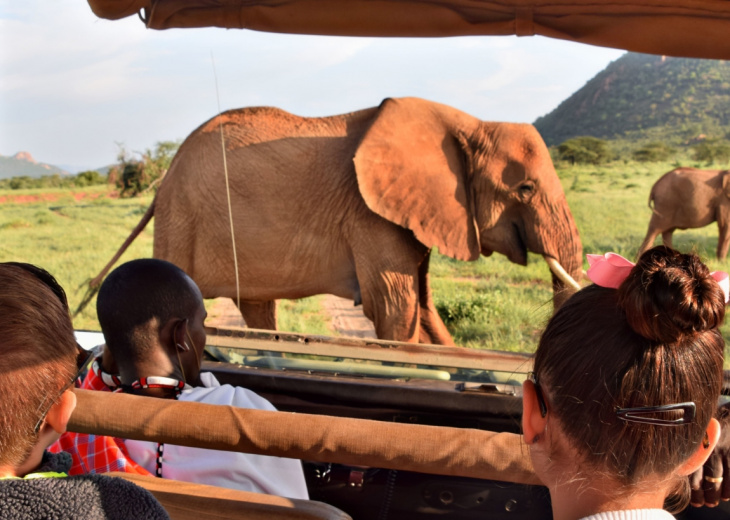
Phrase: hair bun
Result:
[669,295]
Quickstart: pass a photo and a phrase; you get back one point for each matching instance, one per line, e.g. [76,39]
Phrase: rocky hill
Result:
[645,96]
[23,164]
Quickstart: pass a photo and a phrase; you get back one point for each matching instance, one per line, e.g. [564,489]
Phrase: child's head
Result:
[652,342]
[37,357]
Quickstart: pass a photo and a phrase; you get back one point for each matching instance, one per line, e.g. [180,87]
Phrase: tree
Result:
[584,150]
[710,151]
[136,176]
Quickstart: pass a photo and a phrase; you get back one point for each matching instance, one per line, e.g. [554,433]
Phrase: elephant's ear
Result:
[726,183]
[411,170]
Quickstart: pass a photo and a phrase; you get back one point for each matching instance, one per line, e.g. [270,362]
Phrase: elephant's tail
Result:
[95,283]
[651,199]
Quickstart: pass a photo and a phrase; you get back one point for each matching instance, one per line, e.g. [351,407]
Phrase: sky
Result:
[75,88]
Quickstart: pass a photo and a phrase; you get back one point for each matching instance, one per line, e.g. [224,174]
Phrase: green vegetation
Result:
[653,152]
[584,150]
[711,151]
[137,176]
[24,182]
[490,303]
[642,97]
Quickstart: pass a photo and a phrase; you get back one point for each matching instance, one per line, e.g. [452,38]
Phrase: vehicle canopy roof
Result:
[696,29]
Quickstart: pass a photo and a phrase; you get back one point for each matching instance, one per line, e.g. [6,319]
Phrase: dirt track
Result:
[346,319]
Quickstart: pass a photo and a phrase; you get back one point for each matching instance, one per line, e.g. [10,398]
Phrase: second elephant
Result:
[687,198]
[351,205]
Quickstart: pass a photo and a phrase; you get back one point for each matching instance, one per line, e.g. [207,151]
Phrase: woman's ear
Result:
[60,413]
[704,450]
[533,422]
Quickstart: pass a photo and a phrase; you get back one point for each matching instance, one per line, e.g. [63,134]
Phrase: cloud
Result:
[72,85]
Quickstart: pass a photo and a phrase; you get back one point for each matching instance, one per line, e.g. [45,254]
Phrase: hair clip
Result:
[638,415]
[610,270]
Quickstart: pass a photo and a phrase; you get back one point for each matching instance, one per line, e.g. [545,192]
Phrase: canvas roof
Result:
[690,28]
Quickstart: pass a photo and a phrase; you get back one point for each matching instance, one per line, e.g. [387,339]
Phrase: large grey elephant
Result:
[352,205]
[689,198]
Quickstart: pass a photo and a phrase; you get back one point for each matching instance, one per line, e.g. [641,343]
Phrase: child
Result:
[38,367]
[626,380]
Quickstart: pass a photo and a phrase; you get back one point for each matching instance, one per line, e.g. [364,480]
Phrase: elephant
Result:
[353,204]
[689,198]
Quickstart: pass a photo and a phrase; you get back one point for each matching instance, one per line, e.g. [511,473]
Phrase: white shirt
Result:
[244,471]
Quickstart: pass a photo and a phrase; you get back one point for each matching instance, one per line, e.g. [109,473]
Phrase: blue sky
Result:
[74,87]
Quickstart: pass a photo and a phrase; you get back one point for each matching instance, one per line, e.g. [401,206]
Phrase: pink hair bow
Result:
[610,270]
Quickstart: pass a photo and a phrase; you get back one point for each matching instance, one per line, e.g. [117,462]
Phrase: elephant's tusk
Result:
[561,273]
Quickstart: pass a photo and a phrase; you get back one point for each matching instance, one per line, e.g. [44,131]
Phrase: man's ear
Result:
[173,335]
[533,423]
[704,450]
[60,413]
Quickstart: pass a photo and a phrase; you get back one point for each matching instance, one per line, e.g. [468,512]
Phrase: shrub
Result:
[89,178]
[653,152]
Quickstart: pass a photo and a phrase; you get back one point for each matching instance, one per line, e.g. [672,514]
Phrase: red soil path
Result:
[52,197]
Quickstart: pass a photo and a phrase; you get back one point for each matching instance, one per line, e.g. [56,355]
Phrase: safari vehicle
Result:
[395,430]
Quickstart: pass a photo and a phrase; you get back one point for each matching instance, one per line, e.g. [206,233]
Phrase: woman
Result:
[626,379]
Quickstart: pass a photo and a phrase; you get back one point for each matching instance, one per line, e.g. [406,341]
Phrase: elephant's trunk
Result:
[563,252]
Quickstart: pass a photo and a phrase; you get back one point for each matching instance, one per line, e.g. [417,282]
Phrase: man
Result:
[38,367]
[152,316]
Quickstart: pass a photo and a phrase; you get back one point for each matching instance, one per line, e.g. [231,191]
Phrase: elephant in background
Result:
[689,198]
[352,205]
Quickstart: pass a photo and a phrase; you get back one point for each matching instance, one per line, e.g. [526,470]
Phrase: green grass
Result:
[75,239]
[490,303]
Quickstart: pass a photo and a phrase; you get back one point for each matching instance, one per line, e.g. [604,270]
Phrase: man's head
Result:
[150,310]
[38,354]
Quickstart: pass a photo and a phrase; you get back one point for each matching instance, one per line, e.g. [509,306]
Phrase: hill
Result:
[22,164]
[645,96]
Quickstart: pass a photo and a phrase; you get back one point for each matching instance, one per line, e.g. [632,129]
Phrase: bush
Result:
[89,178]
[454,311]
[653,152]
[584,150]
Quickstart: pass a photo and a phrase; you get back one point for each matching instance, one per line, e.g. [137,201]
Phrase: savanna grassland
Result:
[490,303]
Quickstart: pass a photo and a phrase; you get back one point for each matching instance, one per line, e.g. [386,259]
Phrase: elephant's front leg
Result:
[389,288]
[433,329]
[390,301]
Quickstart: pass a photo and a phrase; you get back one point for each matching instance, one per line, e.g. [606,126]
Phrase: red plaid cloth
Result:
[97,379]
[96,453]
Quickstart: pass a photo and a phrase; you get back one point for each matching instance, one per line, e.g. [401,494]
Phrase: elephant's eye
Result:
[526,189]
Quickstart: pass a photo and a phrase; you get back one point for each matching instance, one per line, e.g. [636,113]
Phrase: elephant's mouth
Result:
[518,253]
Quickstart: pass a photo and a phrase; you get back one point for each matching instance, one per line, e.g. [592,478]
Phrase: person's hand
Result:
[711,483]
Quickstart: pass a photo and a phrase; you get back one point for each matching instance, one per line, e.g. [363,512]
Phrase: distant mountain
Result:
[641,95]
[23,164]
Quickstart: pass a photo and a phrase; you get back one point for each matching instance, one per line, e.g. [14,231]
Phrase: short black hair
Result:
[136,293]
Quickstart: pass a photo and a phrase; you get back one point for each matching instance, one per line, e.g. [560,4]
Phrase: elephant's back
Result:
[254,125]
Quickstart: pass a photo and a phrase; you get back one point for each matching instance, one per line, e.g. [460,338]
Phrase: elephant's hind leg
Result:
[259,315]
